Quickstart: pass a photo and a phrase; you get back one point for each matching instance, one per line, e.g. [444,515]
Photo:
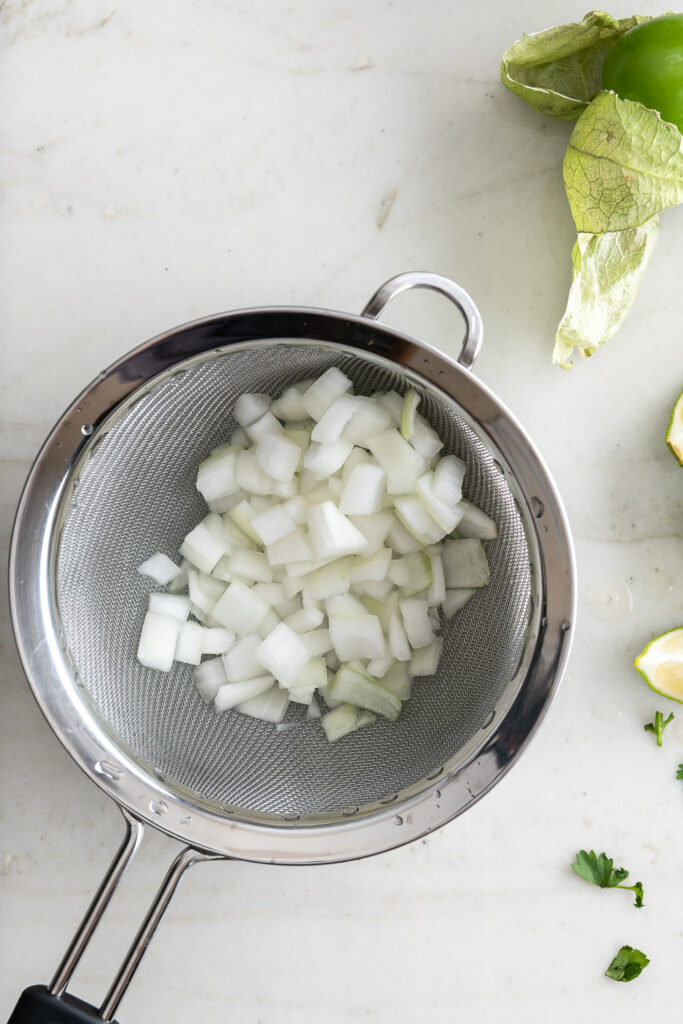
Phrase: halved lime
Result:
[674,432]
[660,664]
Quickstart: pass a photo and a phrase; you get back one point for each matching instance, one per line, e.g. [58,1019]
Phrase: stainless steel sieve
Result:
[115,481]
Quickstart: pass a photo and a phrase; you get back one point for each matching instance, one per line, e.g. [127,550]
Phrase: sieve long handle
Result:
[474,333]
[42,1005]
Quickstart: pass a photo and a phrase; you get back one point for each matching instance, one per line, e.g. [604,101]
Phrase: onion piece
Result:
[232,694]
[326,459]
[241,662]
[352,687]
[240,609]
[190,644]
[250,407]
[417,520]
[266,424]
[340,721]
[415,613]
[456,599]
[425,661]
[437,590]
[375,529]
[370,418]
[312,677]
[476,523]
[357,636]
[324,391]
[267,707]
[399,460]
[250,477]
[411,401]
[317,642]
[176,605]
[331,424]
[159,568]
[218,640]
[158,640]
[398,640]
[289,406]
[217,476]
[201,548]
[449,474]
[250,565]
[278,457]
[465,563]
[363,491]
[209,677]
[398,681]
[292,548]
[273,524]
[283,654]
[304,620]
[447,516]
[331,532]
[412,574]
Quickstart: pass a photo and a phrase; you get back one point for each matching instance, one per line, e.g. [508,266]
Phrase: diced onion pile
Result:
[336,536]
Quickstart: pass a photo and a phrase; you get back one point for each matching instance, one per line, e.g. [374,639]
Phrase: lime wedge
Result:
[674,432]
[661,664]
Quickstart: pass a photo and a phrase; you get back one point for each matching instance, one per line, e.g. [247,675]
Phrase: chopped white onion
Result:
[250,407]
[356,636]
[241,662]
[324,391]
[283,654]
[465,563]
[176,605]
[190,645]
[267,707]
[363,492]
[158,641]
[240,609]
[327,516]
[278,457]
[331,532]
[159,568]
[209,677]
[231,694]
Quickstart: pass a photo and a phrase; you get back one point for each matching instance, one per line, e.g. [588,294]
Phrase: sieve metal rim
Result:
[141,793]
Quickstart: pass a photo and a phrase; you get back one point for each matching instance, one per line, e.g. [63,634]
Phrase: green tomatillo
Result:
[646,65]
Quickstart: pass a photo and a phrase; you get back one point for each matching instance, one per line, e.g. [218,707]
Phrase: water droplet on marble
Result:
[609,599]
[606,711]
[657,584]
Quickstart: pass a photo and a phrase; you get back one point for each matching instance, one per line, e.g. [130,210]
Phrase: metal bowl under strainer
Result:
[115,481]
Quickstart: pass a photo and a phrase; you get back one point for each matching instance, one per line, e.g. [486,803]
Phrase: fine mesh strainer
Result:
[115,481]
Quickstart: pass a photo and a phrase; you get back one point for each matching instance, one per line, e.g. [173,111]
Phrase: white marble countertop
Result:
[165,161]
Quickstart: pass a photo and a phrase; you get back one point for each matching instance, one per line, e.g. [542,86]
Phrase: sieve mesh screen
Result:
[136,495]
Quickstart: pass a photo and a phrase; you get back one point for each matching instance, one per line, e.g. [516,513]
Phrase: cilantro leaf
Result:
[599,870]
[627,964]
[679,773]
[659,725]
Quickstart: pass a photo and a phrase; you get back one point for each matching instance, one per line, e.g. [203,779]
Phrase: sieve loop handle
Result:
[42,1004]
[474,332]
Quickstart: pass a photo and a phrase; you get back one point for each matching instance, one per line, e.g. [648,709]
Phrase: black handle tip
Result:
[38,1006]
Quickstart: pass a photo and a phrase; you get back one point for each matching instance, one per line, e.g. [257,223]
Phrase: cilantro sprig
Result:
[601,871]
[659,725]
[627,964]
[679,772]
